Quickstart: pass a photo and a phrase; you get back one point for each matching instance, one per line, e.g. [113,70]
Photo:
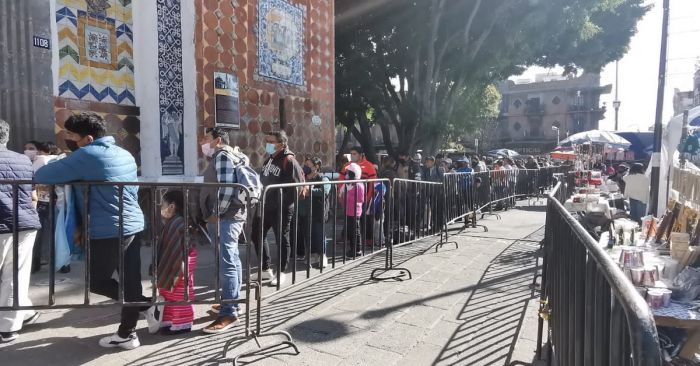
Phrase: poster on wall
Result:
[227,113]
[281,41]
[171,89]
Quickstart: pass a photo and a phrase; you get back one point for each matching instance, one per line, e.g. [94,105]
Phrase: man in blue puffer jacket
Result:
[99,160]
[14,166]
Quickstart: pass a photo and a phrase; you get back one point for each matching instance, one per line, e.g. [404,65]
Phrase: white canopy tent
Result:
[669,156]
[596,136]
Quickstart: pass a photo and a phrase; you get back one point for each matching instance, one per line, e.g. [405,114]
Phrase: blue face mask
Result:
[270,148]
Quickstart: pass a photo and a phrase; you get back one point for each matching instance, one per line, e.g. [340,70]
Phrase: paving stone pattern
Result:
[466,306]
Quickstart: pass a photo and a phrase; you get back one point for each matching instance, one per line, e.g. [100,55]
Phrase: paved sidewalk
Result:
[465,306]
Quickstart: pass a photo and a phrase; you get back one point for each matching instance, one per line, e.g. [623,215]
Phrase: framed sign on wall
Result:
[226,107]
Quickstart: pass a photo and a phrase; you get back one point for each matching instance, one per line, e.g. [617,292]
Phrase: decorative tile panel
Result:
[170,82]
[95,47]
[281,41]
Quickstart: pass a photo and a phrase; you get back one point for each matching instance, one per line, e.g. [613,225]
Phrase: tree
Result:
[418,64]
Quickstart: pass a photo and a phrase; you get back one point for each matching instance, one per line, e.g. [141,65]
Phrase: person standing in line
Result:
[313,211]
[352,197]
[174,319]
[231,217]
[99,159]
[46,153]
[637,191]
[357,156]
[14,166]
[280,167]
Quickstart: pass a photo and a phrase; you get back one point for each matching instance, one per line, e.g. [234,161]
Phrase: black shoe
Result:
[32,319]
[168,331]
[8,336]
[64,269]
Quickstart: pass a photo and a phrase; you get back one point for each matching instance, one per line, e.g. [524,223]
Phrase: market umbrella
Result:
[596,137]
[504,152]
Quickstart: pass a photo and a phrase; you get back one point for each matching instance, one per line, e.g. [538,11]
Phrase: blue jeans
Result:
[637,209]
[230,270]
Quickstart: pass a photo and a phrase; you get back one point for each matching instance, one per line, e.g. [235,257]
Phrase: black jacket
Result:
[14,166]
[281,168]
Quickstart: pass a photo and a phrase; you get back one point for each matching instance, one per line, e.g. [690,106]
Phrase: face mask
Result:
[270,148]
[306,170]
[72,145]
[31,154]
[207,150]
[354,158]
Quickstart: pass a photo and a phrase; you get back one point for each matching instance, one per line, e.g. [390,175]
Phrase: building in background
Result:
[161,71]
[530,109]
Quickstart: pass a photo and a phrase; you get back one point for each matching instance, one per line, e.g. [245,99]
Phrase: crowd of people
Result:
[296,211]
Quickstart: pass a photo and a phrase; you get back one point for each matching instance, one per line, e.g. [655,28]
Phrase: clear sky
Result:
[639,68]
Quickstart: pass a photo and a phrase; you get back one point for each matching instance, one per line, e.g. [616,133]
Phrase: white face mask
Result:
[207,150]
[31,154]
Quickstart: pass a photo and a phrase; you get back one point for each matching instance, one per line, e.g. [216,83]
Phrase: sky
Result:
[638,75]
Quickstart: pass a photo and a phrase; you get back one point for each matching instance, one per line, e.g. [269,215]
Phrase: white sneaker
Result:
[266,275]
[154,316]
[274,279]
[113,341]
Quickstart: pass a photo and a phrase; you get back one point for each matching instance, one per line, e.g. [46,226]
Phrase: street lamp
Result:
[555,128]
[616,105]
[616,102]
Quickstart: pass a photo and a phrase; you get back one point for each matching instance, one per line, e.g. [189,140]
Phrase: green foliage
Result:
[426,68]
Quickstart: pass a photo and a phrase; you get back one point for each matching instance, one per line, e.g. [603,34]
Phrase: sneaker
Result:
[154,316]
[113,341]
[323,262]
[301,258]
[221,324]
[8,336]
[32,319]
[267,274]
[215,309]
[274,279]
[64,269]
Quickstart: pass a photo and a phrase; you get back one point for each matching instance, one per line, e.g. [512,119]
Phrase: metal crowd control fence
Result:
[152,218]
[595,315]
[322,217]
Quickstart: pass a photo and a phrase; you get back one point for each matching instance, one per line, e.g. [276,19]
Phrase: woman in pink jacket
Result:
[352,197]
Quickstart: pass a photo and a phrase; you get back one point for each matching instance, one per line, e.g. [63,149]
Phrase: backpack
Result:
[245,176]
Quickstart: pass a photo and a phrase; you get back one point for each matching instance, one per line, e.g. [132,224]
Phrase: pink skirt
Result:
[179,317]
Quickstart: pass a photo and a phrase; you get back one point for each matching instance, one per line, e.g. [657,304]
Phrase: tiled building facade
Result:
[283,84]
[161,71]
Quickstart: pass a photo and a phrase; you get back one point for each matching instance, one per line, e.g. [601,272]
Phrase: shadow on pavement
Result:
[493,315]
[200,349]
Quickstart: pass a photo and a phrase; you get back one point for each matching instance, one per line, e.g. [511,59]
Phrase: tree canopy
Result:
[425,68]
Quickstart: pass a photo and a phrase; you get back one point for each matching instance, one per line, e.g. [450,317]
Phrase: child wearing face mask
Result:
[352,198]
[173,319]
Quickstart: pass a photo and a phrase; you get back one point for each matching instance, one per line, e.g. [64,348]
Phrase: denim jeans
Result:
[637,209]
[230,271]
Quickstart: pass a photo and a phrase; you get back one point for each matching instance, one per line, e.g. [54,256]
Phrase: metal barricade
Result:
[89,190]
[595,315]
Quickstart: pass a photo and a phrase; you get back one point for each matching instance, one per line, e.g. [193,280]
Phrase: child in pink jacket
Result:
[352,198]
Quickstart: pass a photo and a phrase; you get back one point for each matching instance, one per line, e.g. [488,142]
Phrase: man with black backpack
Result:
[227,206]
